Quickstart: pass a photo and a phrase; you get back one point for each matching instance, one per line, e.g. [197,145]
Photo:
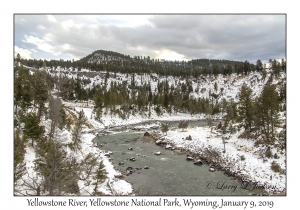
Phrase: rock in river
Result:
[168,146]
[158,142]
[211,169]
[198,162]
[119,176]
[189,158]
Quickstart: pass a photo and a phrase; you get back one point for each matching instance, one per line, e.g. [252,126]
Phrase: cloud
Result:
[232,37]
[40,43]
[170,55]
[67,24]
[130,21]
[41,27]
[21,21]
[24,53]
[51,18]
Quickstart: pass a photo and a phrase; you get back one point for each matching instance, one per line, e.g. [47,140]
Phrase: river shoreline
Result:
[206,157]
[209,160]
[257,170]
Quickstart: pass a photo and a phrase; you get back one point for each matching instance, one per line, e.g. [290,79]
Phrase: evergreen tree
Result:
[164,128]
[232,111]
[282,92]
[215,69]
[78,90]
[256,117]
[166,100]
[19,154]
[259,65]
[275,66]
[220,125]
[223,106]
[283,64]
[39,90]
[208,111]
[22,88]
[230,69]
[88,163]
[63,118]
[100,175]
[282,137]
[245,108]
[269,106]
[178,101]
[18,57]
[32,129]
[247,67]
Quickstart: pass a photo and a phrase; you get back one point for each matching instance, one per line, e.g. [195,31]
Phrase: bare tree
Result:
[60,171]
[55,107]
[76,134]
[31,185]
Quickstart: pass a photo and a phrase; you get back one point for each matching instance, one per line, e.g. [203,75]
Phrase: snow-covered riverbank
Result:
[111,186]
[241,158]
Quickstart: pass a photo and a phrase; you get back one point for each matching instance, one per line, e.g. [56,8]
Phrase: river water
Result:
[169,174]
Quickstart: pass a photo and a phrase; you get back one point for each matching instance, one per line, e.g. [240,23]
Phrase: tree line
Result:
[102,60]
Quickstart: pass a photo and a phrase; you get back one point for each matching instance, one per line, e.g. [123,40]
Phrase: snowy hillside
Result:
[227,87]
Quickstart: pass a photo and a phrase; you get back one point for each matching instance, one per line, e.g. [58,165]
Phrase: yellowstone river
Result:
[168,174]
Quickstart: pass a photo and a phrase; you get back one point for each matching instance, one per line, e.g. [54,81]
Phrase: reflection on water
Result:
[168,173]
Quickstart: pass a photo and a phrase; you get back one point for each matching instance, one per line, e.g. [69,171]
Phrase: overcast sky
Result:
[171,37]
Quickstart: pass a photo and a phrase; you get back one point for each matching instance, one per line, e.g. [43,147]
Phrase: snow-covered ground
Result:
[253,167]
